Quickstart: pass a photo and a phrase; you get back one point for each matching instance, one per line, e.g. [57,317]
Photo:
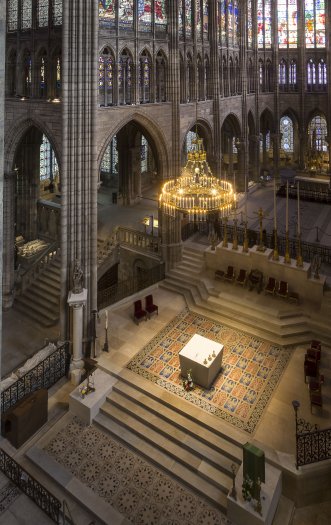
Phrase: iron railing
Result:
[147,277]
[308,249]
[30,486]
[40,265]
[43,375]
[313,446]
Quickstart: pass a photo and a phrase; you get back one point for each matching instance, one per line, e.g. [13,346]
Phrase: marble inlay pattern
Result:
[137,489]
[8,495]
[251,368]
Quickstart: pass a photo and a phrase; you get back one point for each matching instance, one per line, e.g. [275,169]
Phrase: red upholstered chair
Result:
[314,353]
[242,276]
[139,313]
[315,400]
[270,286]
[151,308]
[229,276]
[311,368]
[283,289]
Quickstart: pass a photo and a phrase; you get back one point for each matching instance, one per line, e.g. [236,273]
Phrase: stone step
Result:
[37,313]
[177,436]
[145,447]
[205,441]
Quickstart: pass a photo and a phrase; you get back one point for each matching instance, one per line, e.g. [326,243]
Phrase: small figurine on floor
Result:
[188,383]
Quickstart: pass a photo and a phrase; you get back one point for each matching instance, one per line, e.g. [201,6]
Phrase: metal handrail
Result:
[30,486]
[44,375]
[139,240]
[39,265]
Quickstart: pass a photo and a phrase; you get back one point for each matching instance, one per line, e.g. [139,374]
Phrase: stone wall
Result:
[2,94]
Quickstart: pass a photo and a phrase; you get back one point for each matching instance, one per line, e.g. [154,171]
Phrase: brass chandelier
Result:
[197,193]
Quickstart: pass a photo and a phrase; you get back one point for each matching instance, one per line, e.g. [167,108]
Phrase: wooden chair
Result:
[283,289]
[270,286]
[139,313]
[229,275]
[150,307]
[242,276]
[315,400]
[311,368]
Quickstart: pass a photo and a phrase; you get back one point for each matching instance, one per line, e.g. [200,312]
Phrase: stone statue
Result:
[77,278]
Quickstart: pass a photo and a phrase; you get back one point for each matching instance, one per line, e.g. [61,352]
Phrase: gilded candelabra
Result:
[245,244]
[275,255]
[235,235]
[225,236]
[287,258]
[299,256]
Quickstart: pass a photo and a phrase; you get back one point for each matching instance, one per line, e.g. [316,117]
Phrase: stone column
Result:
[8,277]
[79,160]
[215,87]
[328,58]
[77,301]
[2,124]
[170,230]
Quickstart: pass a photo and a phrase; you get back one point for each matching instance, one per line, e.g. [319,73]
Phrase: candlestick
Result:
[106,317]
[275,210]
[298,198]
[286,206]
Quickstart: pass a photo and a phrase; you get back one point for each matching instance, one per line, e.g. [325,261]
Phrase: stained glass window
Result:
[160,15]
[286,130]
[42,13]
[249,24]
[48,164]
[143,154]
[261,73]
[125,14]
[235,23]
[292,79]
[311,72]
[188,17]
[190,138]
[282,72]
[12,15]
[322,72]
[205,16]
[106,65]
[315,23]
[107,13]
[57,12]
[109,163]
[144,78]
[144,15]
[125,78]
[197,23]
[318,133]
[264,23]
[222,21]
[230,21]
[287,23]
[58,76]
[26,14]
[27,74]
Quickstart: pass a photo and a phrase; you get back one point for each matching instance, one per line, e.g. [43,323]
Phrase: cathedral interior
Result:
[165,174]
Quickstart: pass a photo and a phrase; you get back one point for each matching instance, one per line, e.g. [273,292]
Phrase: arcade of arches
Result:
[105,109]
[239,74]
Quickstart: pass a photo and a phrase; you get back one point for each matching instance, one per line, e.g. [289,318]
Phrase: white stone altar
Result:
[242,512]
[203,357]
[88,407]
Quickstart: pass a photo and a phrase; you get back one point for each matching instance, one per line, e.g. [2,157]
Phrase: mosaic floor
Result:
[239,394]
[138,490]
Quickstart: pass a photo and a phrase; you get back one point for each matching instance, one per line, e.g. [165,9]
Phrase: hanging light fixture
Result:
[197,192]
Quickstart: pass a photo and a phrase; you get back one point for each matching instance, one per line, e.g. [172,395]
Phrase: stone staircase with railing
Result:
[40,300]
[271,318]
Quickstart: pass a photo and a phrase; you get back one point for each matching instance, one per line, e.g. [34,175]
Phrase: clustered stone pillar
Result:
[8,236]
[2,123]
[79,159]
[171,235]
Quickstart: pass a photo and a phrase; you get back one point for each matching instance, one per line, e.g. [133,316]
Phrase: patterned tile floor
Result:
[251,368]
[134,487]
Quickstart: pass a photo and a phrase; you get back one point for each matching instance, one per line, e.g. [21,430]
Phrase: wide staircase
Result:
[171,433]
[271,318]
[40,301]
